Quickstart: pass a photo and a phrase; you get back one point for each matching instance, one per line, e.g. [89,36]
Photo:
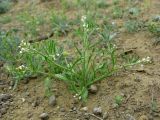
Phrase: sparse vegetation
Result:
[132,26]
[30,22]
[60,24]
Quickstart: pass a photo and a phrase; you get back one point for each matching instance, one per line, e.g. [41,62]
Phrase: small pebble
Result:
[156,18]
[3,111]
[52,100]
[85,109]
[86,116]
[35,104]
[62,109]
[27,94]
[29,115]
[4,97]
[93,89]
[97,111]
[44,116]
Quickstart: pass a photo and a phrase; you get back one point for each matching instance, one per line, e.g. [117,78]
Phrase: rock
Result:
[105,116]
[143,117]
[86,116]
[5,97]
[97,111]
[62,109]
[93,89]
[73,108]
[29,115]
[35,104]
[3,111]
[27,94]
[52,100]
[156,18]
[44,116]
[85,109]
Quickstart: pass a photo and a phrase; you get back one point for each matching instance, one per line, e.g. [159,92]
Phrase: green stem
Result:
[49,59]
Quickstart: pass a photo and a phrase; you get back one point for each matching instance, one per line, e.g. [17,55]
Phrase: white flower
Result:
[114,46]
[24,43]
[113,23]
[83,18]
[84,23]
[23,49]
[145,60]
[58,54]
[80,98]
[20,52]
[139,61]
[21,67]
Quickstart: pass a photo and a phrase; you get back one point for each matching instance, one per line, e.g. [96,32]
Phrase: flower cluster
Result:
[77,96]
[84,23]
[145,60]
[55,56]
[23,47]
[21,67]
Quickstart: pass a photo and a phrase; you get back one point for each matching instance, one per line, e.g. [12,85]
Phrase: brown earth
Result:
[138,86]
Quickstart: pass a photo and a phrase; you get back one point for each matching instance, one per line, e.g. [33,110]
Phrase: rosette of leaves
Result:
[154,28]
[5,6]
